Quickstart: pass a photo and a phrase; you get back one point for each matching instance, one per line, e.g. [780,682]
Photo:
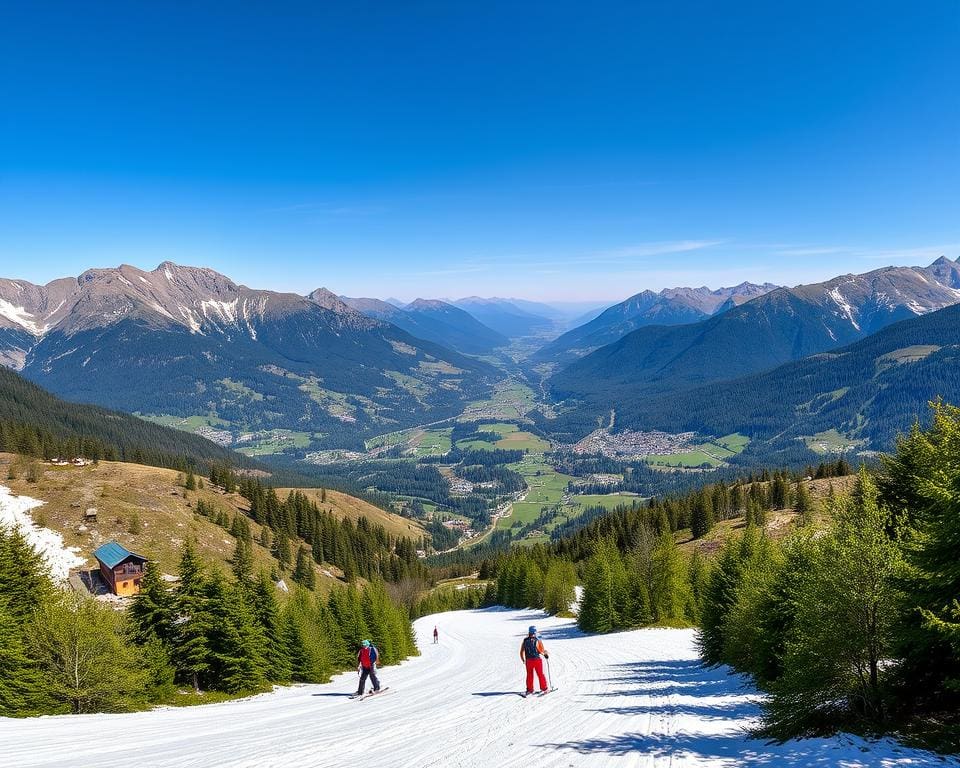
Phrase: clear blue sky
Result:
[558,150]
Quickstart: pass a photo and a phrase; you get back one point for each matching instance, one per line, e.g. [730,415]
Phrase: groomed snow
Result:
[632,699]
[15,513]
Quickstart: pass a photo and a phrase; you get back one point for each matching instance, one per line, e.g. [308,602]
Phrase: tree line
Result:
[62,652]
[856,626]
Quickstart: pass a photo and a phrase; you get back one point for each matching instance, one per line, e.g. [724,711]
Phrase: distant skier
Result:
[436,636]
[531,651]
[367,667]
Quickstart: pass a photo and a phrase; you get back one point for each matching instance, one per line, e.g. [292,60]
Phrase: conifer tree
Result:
[304,573]
[604,590]
[151,611]
[702,519]
[236,640]
[191,651]
[267,613]
[670,590]
[843,630]
[558,587]
[20,684]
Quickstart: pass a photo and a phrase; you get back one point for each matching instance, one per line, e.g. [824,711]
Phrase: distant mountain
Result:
[778,327]
[505,317]
[868,391]
[187,341]
[672,306]
[435,321]
[34,422]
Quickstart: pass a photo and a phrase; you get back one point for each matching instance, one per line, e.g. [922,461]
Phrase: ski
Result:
[374,693]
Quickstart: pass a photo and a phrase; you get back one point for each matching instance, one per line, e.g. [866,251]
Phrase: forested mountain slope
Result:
[870,390]
[671,306]
[784,325]
[187,341]
[35,422]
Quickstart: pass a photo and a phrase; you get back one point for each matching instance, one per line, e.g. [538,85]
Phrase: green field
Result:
[188,423]
[390,439]
[512,438]
[546,487]
[510,400]
[433,442]
[832,441]
[711,454]
[277,441]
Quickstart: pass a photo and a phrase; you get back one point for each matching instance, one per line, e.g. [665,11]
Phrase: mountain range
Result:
[187,341]
[868,391]
[671,306]
[436,321]
[742,368]
[505,317]
[780,326]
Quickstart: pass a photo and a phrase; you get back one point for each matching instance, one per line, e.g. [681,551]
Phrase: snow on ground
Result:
[631,699]
[15,513]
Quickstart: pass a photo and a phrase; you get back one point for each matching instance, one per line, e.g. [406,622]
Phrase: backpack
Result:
[530,649]
[368,656]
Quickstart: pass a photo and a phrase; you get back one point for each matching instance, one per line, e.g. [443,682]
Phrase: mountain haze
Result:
[435,321]
[505,317]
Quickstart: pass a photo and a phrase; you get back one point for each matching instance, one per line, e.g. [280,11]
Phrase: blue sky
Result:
[565,151]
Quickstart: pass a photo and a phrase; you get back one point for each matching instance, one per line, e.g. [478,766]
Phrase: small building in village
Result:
[120,568]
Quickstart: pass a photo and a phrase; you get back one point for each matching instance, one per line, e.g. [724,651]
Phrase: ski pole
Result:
[549,678]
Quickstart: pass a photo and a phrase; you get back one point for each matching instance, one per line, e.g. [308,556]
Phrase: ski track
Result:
[636,698]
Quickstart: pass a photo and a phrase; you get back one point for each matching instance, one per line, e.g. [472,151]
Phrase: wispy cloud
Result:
[894,256]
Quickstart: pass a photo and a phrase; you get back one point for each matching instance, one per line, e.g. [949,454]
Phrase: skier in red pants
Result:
[531,651]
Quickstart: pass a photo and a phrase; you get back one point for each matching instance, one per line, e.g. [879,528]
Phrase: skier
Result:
[531,650]
[367,667]
[436,636]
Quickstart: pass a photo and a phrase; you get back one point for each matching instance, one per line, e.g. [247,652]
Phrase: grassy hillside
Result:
[779,522]
[147,510]
[352,508]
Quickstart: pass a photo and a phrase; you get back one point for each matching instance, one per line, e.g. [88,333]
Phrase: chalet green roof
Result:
[112,554]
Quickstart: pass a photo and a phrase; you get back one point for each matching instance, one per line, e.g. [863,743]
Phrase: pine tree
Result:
[191,651]
[604,600]
[702,519]
[20,684]
[670,590]
[843,630]
[267,612]
[304,573]
[558,587]
[152,608]
[236,640]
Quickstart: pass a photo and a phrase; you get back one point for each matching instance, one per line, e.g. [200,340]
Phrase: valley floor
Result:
[636,698]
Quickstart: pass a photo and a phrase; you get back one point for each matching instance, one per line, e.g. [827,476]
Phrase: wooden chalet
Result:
[120,568]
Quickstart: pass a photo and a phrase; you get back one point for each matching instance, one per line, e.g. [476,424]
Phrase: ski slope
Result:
[630,699]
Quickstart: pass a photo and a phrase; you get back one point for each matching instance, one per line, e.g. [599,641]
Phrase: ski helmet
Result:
[532,630]
[365,643]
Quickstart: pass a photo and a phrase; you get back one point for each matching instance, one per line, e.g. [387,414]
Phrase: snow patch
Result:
[21,317]
[15,513]
[192,323]
[844,306]
[227,310]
